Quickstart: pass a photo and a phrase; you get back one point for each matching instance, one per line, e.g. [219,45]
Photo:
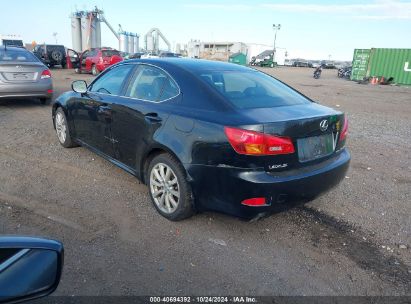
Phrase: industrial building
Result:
[214,50]
[224,50]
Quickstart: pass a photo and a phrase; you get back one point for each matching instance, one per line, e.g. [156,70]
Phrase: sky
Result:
[309,29]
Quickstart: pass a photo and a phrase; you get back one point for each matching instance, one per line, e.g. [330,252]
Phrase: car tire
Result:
[169,189]
[45,101]
[62,129]
[94,70]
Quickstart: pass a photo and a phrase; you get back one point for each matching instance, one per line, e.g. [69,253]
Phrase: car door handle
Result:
[104,109]
[152,117]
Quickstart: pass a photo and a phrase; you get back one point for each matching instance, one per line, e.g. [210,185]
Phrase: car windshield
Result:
[246,90]
[16,55]
[109,53]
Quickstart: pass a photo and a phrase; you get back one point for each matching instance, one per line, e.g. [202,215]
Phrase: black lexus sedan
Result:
[206,135]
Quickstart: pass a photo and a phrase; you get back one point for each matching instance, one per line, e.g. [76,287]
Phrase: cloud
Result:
[377,10]
[385,9]
[217,6]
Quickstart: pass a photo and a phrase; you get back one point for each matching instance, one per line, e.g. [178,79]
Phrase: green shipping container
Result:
[388,63]
[238,58]
[395,63]
[360,64]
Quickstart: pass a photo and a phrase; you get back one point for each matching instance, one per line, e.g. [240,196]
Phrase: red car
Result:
[94,60]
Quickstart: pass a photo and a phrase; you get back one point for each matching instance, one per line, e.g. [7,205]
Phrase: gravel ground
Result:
[355,240]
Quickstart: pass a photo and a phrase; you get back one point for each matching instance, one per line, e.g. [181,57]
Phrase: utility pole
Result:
[276,27]
[55,36]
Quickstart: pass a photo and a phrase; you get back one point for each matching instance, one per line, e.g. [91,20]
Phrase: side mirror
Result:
[79,86]
[30,268]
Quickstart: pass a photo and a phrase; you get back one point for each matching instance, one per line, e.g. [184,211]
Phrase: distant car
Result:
[136,55]
[206,135]
[288,62]
[303,64]
[149,55]
[51,54]
[23,75]
[94,60]
[169,54]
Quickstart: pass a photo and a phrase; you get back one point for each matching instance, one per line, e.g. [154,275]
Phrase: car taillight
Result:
[256,143]
[256,201]
[344,131]
[45,74]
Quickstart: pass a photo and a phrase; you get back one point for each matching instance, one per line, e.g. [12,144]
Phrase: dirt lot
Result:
[355,240]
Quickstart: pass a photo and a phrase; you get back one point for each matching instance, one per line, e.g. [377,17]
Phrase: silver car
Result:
[23,75]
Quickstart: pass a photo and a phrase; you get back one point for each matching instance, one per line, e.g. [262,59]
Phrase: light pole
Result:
[55,36]
[276,27]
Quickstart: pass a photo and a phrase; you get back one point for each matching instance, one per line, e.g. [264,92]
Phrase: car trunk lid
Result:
[21,72]
[313,129]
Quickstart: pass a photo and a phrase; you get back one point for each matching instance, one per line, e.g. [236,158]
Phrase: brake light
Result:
[344,131]
[256,143]
[256,201]
[45,74]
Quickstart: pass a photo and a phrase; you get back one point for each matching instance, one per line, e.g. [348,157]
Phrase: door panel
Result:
[141,113]
[93,111]
[92,121]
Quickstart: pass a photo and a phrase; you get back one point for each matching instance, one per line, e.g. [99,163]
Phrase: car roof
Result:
[193,65]
[13,48]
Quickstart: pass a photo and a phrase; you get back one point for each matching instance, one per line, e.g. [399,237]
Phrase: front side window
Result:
[152,84]
[112,81]
[247,90]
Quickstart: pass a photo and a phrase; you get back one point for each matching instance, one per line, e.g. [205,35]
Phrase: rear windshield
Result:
[17,55]
[109,53]
[252,89]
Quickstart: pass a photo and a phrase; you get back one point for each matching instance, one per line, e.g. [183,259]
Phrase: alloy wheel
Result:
[164,188]
[61,127]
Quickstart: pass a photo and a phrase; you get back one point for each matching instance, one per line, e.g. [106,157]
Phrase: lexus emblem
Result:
[324,125]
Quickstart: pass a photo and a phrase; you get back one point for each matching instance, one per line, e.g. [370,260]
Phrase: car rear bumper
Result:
[35,89]
[223,188]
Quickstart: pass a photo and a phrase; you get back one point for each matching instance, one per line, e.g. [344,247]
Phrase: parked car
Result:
[149,55]
[304,64]
[288,62]
[23,75]
[206,135]
[168,54]
[94,60]
[51,54]
[136,55]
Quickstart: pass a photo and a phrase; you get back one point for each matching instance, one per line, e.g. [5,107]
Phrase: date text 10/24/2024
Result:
[204,299]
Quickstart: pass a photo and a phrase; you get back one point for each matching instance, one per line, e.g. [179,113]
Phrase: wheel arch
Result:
[54,108]
[150,154]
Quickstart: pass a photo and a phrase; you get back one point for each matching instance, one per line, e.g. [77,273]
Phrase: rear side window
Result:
[17,55]
[152,84]
[109,53]
[252,89]
[112,81]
